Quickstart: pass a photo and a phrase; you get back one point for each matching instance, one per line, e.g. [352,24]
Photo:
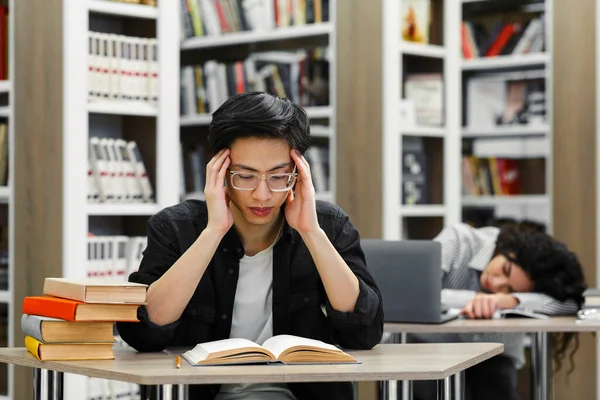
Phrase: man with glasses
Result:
[260,257]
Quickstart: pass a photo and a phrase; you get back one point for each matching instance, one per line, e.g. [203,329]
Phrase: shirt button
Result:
[225,250]
[230,271]
[306,300]
[224,316]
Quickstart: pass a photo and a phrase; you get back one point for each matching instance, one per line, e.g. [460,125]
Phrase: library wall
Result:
[574,161]
[38,157]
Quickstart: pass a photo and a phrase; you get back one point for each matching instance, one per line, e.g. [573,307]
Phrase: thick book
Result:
[53,330]
[283,349]
[96,290]
[73,310]
[69,351]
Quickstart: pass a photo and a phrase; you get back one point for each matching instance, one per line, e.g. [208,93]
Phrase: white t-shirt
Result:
[253,319]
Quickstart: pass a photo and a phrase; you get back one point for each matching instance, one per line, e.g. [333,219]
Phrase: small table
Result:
[538,327]
[384,362]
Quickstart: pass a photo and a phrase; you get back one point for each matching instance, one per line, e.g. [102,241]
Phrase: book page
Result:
[278,344]
[203,351]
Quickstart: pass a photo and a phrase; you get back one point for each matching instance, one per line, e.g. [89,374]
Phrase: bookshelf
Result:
[247,45]
[488,141]
[438,140]
[52,152]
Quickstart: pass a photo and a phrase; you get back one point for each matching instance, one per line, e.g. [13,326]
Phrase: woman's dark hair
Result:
[554,270]
[257,114]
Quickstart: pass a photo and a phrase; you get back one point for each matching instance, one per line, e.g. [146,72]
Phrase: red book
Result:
[502,39]
[71,310]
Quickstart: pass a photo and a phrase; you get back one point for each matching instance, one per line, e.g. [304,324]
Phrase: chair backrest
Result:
[409,276]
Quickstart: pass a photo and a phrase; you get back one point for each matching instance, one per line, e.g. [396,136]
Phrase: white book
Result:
[188,92]
[126,69]
[222,83]
[108,267]
[140,171]
[210,18]
[115,65]
[100,169]
[137,244]
[92,66]
[120,244]
[104,67]
[91,253]
[317,170]
[212,84]
[111,165]
[121,169]
[153,67]
[93,192]
[133,187]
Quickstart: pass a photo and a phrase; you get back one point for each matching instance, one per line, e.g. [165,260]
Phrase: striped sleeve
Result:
[542,303]
[453,254]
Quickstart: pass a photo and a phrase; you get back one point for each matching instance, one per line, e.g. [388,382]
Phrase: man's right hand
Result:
[220,217]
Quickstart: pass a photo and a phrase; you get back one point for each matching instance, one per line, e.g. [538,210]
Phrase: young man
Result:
[258,258]
[495,268]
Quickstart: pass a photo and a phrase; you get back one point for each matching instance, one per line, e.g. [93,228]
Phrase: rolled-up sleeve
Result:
[160,254]
[361,328]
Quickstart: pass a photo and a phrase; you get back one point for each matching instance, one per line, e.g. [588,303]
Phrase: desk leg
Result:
[445,389]
[459,386]
[539,357]
[47,385]
[165,392]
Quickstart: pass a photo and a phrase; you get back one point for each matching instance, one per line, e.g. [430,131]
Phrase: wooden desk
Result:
[539,328]
[384,362]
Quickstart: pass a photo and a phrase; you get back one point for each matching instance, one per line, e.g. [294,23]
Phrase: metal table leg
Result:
[165,392]
[444,389]
[459,386]
[539,361]
[47,385]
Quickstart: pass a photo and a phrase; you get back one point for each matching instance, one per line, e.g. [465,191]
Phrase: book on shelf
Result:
[151,3]
[213,18]
[416,20]
[283,349]
[426,93]
[301,76]
[69,351]
[504,38]
[114,257]
[4,155]
[122,68]
[73,310]
[491,176]
[117,173]
[96,290]
[506,99]
[53,330]
[415,174]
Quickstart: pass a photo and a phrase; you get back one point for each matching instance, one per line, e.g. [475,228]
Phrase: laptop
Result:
[409,276]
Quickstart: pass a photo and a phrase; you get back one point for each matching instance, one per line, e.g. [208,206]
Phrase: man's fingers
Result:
[214,170]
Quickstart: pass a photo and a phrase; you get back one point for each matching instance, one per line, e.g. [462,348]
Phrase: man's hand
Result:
[483,306]
[220,217]
[300,210]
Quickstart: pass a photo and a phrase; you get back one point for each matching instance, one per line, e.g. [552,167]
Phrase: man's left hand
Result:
[300,210]
[483,306]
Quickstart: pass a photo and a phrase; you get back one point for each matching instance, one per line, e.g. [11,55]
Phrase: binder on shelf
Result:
[140,171]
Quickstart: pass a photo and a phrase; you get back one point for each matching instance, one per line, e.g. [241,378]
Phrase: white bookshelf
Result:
[81,117]
[123,108]
[275,35]
[518,131]
[109,7]
[6,86]
[517,205]
[519,61]
[273,40]
[396,56]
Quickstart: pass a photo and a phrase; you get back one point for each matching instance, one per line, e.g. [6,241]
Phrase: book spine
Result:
[49,308]
[31,325]
[33,345]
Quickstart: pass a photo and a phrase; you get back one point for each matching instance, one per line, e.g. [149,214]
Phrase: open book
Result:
[512,313]
[286,349]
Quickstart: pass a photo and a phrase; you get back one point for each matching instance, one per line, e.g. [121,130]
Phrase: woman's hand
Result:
[300,210]
[483,306]
[220,217]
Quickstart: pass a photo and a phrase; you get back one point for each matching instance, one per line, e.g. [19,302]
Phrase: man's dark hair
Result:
[257,114]
[554,270]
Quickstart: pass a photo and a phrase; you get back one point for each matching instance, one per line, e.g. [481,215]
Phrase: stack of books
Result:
[73,320]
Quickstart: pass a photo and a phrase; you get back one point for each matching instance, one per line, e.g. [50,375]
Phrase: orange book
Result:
[72,310]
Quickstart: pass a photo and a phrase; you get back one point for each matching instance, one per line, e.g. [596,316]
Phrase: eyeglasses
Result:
[251,180]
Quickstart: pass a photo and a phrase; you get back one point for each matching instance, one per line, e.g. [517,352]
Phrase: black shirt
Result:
[298,293]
